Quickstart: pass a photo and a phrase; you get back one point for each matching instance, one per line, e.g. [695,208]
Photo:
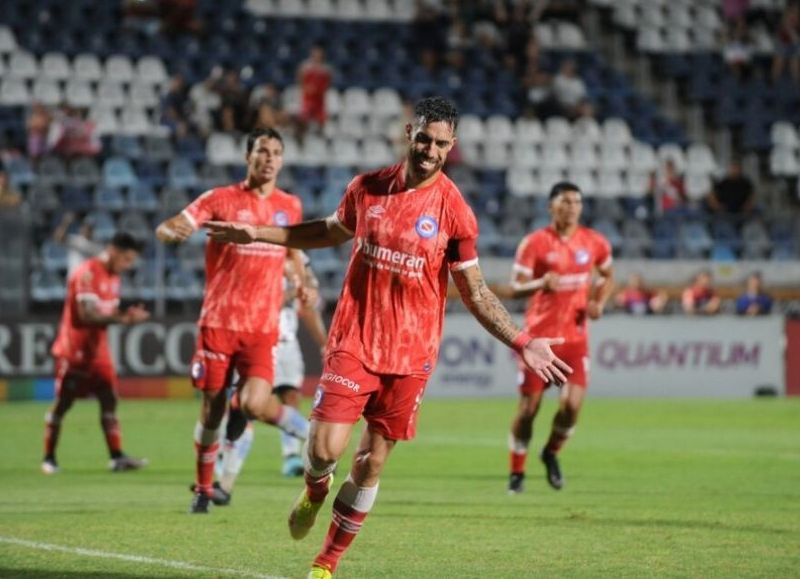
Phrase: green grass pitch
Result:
[654,488]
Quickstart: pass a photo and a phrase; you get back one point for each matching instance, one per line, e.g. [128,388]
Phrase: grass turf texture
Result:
[653,488]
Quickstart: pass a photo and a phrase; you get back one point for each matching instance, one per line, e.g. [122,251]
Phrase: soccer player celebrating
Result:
[554,266]
[239,319]
[82,356]
[410,225]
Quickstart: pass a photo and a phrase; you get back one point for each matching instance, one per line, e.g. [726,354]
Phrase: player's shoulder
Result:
[378,180]
[288,199]
[223,191]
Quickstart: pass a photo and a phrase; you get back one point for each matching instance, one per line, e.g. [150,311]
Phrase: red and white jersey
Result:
[86,344]
[244,290]
[391,307]
[561,313]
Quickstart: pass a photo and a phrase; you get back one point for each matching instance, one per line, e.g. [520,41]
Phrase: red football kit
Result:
[561,313]
[81,352]
[384,338]
[244,286]
[314,82]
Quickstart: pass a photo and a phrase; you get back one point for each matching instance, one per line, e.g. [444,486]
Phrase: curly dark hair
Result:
[436,109]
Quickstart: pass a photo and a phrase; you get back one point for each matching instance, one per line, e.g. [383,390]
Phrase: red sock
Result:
[344,527]
[52,428]
[206,457]
[518,461]
[113,434]
[317,488]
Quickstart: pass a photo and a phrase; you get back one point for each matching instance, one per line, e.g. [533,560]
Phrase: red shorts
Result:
[388,402]
[80,380]
[575,354]
[220,351]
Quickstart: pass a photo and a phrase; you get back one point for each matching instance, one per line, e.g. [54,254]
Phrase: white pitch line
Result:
[133,558]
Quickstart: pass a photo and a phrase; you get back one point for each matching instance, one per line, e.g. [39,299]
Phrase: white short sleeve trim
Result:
[607,262]
[190,219]
[87,297]
[522,269]
[462,265]
[333,221]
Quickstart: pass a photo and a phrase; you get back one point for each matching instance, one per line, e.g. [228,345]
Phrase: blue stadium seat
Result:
[117,172]
[181,174]
[142,197]
[109,198]
[54,256]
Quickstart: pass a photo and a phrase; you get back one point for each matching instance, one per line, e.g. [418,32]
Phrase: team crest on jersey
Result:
[426,367]
[198,370]
[581,257]
[426,227]
[375,211]
[281,218]
[244,215]
[319,393]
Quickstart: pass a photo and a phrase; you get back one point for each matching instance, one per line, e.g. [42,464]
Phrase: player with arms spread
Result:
[410,225]
[239,318]
[554,265]
[82,356]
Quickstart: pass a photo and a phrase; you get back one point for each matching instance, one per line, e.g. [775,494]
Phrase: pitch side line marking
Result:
[132,558]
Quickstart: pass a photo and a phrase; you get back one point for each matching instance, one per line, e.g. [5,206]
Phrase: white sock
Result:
[233,456]
[293,423]
[359,498]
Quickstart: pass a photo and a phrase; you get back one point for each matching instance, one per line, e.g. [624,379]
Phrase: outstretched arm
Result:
[307,235]
[492,315]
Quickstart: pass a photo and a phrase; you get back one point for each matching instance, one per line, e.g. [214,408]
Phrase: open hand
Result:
[538,356]
[231,232]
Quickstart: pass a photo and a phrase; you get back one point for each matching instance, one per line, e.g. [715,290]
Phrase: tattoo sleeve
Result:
[484,305]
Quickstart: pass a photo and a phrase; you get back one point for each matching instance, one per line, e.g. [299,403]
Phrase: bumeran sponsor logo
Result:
[338,379]
[393,260]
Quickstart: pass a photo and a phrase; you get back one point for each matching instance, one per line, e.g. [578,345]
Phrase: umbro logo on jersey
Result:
[375,211]
[281,218]
[426,227]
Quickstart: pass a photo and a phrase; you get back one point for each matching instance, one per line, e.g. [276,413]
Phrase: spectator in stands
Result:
[81,245]
[314,77]
[72,135]
[754,301]
[266,107]
[737,49]
[734,194]
[734,10]
[700,297]
[204,100]
[175,107]
[667,188]
[38,127]
[787,43]
[569,90]
[636,298]
[9,198]
[233,103]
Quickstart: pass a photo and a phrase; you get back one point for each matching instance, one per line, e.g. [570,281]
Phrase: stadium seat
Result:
[48,286]
[84,172]
[87,67]
[22,65]
[55,67]
[528,131]
[14,92]
[136,224]
[79,93]
[142,197]
[694,240]
[150,70]
[119,68]
[109,198]
[54,256]
[117,172]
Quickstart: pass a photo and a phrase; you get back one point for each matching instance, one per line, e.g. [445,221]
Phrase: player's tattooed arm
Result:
[484,305]
[306,235]
[492,315]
